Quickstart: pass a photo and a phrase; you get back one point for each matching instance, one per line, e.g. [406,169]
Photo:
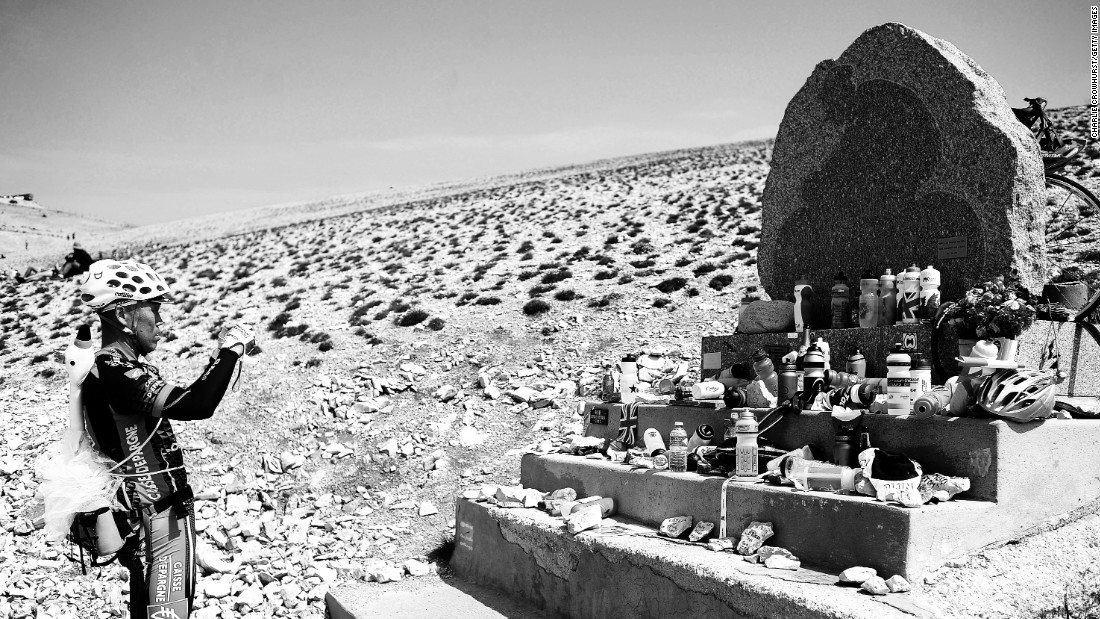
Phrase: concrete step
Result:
[625,570]
[427,598]
[821,528]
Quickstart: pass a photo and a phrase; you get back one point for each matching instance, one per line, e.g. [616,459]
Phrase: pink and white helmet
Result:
[121,282]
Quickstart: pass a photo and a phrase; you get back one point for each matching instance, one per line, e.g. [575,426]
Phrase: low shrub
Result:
[565,295]
[535,307]
[672,285]
[436,324]
[718,282]
[487,301]
[412,317]
[600,275]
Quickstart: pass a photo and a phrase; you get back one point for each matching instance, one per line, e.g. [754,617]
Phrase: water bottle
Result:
[814,475]
[840,380]
[929,293]
[857,363]
[803,305]
[735,397]
[908,296]
[932,402]
[653,441]
[707,390]
[788,381]
[628,381]
[748,452]
[704,434]
[854,396]
[678,449]
[843,449]
[765,370]
[823,346]
[841,303]
[921,375]
[897,381]
[800,367]
[889,298]
[814,380]
[868,301]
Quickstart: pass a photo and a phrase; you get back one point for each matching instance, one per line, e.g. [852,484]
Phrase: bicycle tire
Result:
[1068,191]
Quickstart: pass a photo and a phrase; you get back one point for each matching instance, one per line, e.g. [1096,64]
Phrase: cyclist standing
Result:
[127,411]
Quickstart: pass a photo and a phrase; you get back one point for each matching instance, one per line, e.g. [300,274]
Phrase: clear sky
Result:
[148,111]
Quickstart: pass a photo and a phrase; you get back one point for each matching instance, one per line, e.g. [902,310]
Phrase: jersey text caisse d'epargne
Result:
[128,407]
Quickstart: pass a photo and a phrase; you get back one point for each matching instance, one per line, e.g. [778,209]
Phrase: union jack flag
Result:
[628,424]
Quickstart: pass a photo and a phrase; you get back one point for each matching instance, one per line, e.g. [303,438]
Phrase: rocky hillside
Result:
[405,351]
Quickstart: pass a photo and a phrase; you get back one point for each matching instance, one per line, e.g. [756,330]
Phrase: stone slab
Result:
[901,144]
[624,570]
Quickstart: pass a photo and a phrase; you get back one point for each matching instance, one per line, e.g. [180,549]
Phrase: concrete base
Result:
[824,529]
[623,570]
[1041,468]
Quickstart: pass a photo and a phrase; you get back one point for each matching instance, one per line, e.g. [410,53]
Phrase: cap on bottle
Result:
[855,352]
[759,355]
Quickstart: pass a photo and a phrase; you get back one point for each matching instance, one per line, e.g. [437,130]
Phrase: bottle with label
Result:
[800,367]
[888,298]
[748,452]
[788,381]
[628,380]
[908,296]
[854,396]
[840,380]
[703,435]
[823,346]
[765,370]
[677,449]
[803,305]
[707,390]
[841,303]
[897,381]
[929,293]
[814,379]
[868,301]
[921,371]
[653,441]
[857,363]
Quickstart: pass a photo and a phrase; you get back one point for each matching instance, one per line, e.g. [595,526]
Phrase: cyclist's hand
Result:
[237,334]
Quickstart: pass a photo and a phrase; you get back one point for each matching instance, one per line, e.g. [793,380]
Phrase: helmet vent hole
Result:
[137,279]
[123,275]
[113,283]
[145,290]
[87,298]
[129,287]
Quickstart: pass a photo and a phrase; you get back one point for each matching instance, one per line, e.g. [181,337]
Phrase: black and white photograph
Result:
[727,309]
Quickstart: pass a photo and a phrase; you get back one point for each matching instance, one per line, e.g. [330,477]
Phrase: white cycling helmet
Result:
[111,283]
[1018,395]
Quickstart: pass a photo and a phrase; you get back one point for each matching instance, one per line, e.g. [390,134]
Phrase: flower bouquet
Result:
[994,309]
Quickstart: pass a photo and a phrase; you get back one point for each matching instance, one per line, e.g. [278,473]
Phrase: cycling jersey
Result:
[127,408]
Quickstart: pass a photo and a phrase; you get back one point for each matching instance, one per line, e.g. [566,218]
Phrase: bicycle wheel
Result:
[1074,213]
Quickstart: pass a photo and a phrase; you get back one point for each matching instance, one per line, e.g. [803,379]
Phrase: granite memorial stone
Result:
[901,151]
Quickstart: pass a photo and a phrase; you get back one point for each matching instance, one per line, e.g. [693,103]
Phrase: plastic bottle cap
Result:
[678,423]
[855,351]
[759,355]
